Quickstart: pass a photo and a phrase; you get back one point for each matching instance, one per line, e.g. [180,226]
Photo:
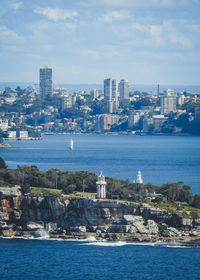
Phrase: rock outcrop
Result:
[26,215]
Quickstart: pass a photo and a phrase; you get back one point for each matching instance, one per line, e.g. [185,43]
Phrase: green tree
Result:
[196,201]
[2,163]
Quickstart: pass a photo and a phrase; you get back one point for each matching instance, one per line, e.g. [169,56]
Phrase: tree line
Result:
[77,181]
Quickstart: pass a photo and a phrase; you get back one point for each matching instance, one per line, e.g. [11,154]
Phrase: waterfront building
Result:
[4,124]
[147,124]
[124,91]
[101,187]
[168,102]
[45,81]
[133,119]
[18,134]
[105,121]
[158,121]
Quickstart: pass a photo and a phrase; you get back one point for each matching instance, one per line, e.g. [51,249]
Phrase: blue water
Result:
[162,159]
[56,260]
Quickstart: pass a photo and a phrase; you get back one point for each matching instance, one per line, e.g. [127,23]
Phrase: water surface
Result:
[161,159]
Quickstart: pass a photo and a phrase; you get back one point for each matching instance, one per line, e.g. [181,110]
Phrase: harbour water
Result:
[88,260]
[161,159]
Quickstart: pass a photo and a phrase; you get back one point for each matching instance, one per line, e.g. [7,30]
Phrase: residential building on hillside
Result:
[66,101]
[111,95]
[45,81]
[124,91]
[105,121]
[168,102]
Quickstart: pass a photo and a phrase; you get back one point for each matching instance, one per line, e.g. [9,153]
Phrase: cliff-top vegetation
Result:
[83,184]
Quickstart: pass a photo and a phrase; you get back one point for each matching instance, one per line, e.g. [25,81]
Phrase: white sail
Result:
[71,144]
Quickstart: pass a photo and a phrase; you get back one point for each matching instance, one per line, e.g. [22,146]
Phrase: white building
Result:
[111,95]
[139,177]
[45,81]
[19,134]
[124,91]
[67,101]
[101,187]
[3,124]
[134,118]
[181,99]
[168,102]
[105,121]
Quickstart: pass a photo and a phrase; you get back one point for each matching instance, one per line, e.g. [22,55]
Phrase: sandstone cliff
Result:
[34,216]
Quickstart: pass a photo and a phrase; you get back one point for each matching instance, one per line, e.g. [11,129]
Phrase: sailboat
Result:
[71,146]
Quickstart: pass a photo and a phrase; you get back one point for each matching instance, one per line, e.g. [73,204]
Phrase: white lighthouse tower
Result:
[101,187]
[139,177]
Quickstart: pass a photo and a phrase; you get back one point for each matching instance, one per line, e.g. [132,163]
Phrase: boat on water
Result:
[71,146]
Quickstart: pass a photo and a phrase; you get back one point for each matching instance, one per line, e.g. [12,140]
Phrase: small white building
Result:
[139,177]
[3,124]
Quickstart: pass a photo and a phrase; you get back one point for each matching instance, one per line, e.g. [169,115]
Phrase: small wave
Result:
[106,243]
[92,241]
[124,243]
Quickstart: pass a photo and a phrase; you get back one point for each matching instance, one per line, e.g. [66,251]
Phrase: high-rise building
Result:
[115,95]
[124,91]
[66,101]
[45,81]
[111,95]
[158,90]
[168,102]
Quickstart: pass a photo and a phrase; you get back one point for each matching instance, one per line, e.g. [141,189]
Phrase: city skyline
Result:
[146,42]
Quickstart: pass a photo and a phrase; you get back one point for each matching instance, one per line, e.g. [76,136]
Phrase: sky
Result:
[86,41]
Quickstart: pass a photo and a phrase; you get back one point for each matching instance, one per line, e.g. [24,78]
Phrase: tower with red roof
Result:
[101,187]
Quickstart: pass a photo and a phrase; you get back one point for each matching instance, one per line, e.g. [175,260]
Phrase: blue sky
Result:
[85,41]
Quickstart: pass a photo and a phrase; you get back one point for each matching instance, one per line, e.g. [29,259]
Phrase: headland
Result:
[64,217]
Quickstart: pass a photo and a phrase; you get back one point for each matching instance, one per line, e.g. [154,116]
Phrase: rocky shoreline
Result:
[5,146]
[28,216]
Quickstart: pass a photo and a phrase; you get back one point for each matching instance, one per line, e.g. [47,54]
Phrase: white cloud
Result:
[55,14]
[70,26]
[8,36]
[168,34]
[91,53]
[17,5]
[139,27]
[137,3]
[115,16]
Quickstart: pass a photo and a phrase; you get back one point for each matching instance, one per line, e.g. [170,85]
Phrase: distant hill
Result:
[78,87]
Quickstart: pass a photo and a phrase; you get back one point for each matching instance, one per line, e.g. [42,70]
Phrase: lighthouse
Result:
[139,177]
[101,187]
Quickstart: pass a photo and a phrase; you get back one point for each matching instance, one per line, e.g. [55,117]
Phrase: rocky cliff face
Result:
[25,215]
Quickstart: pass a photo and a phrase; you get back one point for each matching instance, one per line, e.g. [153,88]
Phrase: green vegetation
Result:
[44,192]
[82,184]
[185,209]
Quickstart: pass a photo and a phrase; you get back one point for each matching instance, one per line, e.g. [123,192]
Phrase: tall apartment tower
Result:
[124,91]
[45,81]
[167,102]
[158,90]
[115,95]
[111,95]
